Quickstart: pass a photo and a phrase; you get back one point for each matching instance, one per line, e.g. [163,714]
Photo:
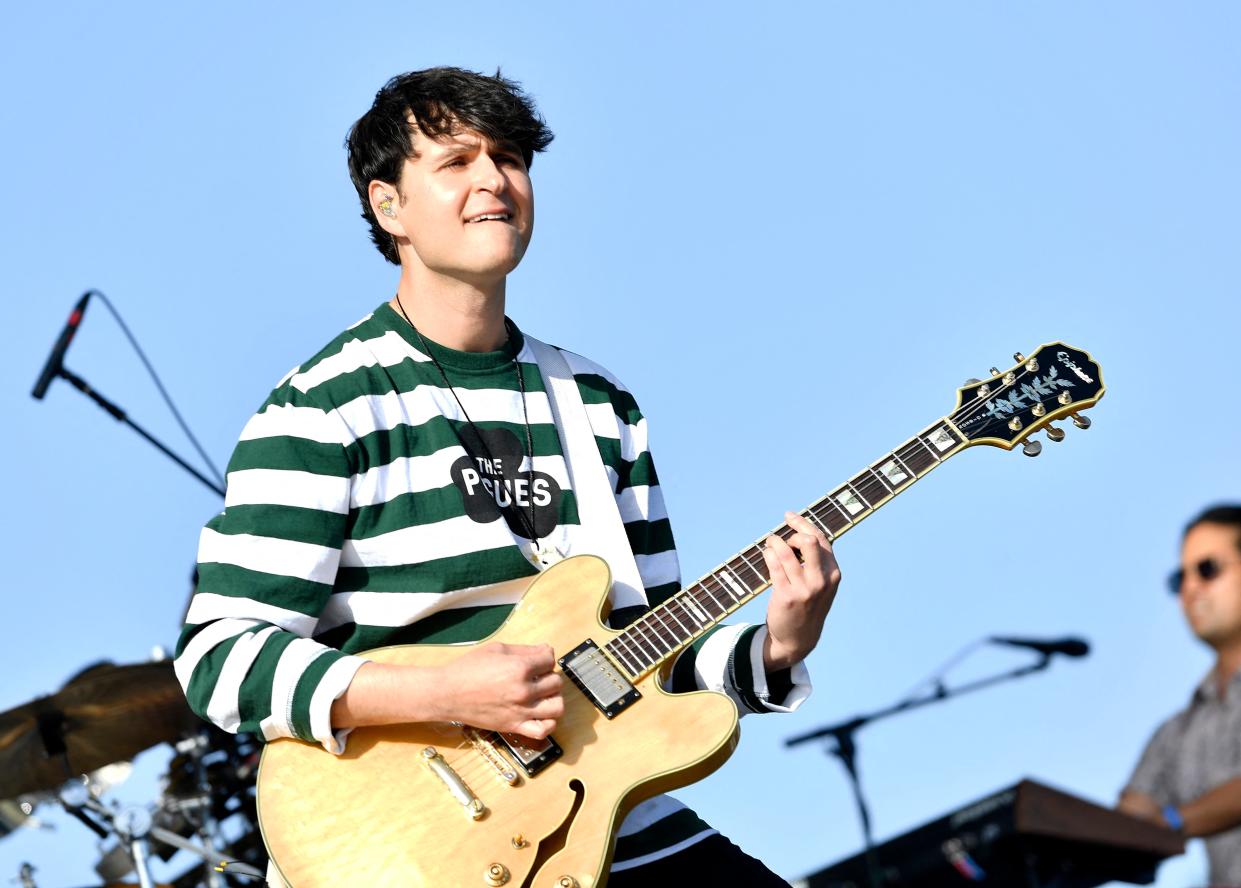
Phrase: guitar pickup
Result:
[598,678]
[532,755]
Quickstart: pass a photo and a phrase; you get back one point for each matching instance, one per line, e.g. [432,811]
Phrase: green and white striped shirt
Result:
[363,510]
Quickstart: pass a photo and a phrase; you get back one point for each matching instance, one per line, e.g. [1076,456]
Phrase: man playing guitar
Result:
[395,487]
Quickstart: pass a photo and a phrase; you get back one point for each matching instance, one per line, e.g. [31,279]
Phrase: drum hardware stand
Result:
[133,826]
[845,746]
[197,747]
[68,746]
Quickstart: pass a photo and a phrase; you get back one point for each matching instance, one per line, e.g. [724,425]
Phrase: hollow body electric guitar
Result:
[450,806]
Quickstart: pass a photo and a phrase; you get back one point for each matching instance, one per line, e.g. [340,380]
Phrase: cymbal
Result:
[105,714]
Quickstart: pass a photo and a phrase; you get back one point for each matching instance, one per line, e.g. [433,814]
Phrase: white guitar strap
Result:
[602,532]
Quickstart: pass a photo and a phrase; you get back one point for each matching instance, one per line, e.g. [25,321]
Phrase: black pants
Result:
[713,861]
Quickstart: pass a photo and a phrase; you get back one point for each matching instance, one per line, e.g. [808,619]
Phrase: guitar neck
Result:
[664,631]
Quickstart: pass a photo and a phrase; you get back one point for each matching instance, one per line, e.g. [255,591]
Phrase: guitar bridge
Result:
[598,678]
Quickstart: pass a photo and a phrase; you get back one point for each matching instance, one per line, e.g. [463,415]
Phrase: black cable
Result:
[158,384]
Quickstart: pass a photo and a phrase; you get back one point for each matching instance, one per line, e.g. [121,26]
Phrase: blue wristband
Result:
[1173,817]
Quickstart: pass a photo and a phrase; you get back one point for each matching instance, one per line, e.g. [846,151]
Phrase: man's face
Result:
[467,206]
[1212,607]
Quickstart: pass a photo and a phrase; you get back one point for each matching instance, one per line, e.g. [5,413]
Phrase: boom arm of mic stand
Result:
[940,694]
[120,416]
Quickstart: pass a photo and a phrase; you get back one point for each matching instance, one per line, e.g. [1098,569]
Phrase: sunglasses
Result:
[1206,570]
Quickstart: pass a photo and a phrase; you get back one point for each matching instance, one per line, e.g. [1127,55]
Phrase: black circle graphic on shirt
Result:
[492,483]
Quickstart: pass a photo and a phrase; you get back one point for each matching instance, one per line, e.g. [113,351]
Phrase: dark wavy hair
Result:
[1227,514]
[441,101]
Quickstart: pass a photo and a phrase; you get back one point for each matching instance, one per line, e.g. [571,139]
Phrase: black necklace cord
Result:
[527,520]
[159,385]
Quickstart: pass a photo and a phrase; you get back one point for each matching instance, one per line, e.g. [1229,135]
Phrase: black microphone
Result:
[56,360]
[1070,647]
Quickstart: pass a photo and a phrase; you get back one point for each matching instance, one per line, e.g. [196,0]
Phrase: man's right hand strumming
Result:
[501,687]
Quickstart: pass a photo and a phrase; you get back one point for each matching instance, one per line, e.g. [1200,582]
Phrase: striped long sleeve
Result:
[370,504]
[267,566]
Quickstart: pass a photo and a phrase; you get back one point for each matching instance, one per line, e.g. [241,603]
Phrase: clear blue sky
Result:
[792,232]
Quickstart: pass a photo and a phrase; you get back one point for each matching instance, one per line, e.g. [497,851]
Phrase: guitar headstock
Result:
[1005,410]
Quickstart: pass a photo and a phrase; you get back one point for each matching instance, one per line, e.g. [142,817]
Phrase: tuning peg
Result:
[1054,433]
[1019,357]
[1032,448]
[983,390]
[995,371]
[1082,422]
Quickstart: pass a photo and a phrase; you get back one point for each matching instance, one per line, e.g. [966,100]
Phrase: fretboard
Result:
[665,630]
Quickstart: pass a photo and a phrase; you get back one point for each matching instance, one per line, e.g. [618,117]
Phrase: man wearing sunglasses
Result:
[1189,776]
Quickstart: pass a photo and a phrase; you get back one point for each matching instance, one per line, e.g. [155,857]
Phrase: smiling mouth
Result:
[491,217]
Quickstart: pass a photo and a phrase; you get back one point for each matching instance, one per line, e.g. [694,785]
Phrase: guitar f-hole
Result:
[555,841]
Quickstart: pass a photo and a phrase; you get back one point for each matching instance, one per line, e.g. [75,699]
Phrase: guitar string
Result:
[711,584]
[476,769]
[719,595]
[715,589]
[472,765]
[652,620]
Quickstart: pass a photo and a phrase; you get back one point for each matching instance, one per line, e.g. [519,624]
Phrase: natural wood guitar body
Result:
[379,816]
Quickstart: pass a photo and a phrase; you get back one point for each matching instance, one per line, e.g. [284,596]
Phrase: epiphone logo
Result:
[1068,362]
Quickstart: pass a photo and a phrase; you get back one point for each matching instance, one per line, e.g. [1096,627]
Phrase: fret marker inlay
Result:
[893,472]
[739,591]
[696,609]
[942,439]
[849,502]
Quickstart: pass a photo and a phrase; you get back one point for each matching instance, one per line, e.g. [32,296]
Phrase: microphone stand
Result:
[845,746]
[120,416]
